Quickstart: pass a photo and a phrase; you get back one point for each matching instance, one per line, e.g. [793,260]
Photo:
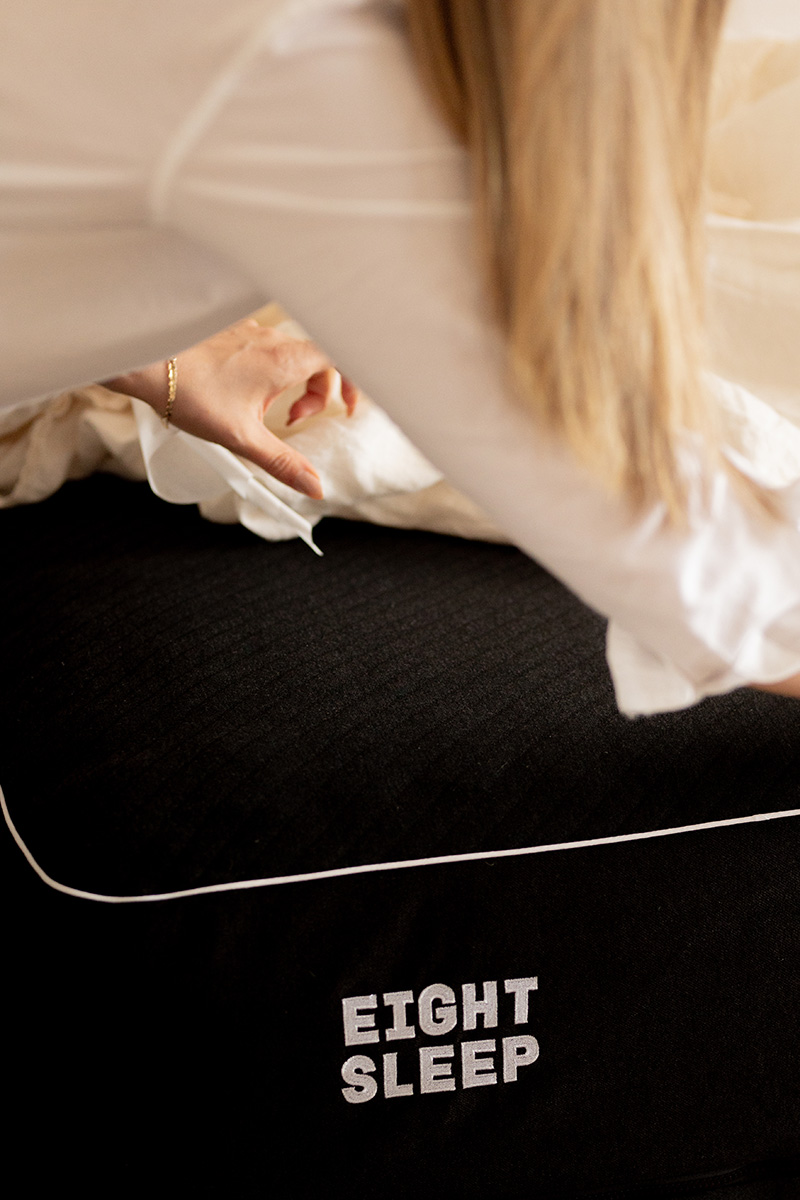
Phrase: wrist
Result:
[150,384]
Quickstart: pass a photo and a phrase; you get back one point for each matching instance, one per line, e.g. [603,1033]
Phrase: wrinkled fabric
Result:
[370,471]
[279,149]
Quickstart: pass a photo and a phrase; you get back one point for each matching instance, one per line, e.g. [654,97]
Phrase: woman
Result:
[172,166]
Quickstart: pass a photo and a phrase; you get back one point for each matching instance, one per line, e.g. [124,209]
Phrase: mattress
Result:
[345,874]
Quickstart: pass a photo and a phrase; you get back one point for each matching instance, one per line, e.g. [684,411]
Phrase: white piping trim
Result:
[267,197]
[209,104]
[368,868]
[328,156]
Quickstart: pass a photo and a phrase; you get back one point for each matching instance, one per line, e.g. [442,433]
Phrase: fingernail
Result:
[308,482]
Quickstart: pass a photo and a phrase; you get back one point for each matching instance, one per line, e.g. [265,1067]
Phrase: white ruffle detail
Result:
[766,447]
[754,299]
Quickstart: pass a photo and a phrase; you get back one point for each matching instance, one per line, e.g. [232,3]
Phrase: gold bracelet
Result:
[172,388]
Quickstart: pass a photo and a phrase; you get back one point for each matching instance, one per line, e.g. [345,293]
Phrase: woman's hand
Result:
[225,385]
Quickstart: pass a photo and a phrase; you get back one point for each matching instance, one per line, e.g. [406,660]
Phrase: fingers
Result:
[287,360]
[292,360]
[281,461]
[349,395]
[307,406]
[228,382]
[321,388]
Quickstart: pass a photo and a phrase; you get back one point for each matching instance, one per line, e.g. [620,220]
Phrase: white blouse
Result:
[169,165]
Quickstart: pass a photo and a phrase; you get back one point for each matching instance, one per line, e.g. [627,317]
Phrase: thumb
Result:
[281,461]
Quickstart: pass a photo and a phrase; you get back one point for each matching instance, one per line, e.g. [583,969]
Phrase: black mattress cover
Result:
[463,970]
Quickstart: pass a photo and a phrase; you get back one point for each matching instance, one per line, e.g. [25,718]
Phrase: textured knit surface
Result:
[217,708]
[184,704]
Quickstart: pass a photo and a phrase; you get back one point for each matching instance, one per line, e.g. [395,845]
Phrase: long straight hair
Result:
[586,121]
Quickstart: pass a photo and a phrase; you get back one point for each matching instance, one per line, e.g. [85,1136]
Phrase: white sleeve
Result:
[324,174]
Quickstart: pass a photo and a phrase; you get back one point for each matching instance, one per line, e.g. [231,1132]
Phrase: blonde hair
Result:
[586,121]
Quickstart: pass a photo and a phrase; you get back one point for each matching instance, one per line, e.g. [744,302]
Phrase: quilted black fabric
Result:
[185,706]
[254,710]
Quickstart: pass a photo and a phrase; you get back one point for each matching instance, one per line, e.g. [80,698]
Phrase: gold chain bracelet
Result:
[172,388]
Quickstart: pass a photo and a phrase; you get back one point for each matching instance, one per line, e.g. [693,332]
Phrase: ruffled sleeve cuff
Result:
[765,446]
[646,683]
